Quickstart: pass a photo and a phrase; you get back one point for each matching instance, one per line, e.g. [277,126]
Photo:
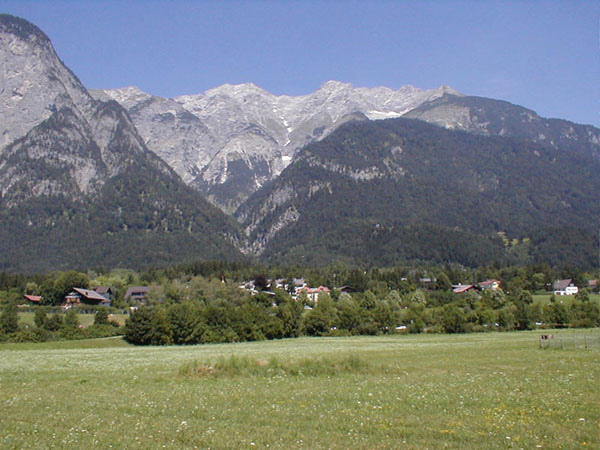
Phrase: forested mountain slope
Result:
[400,189]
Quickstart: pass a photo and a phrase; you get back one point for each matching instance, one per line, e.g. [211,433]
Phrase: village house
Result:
[137,294]
[460,288]
[489,285]
[292,288]
[564,287]
[313,293]
[346,289]
[104,291]
[86,296]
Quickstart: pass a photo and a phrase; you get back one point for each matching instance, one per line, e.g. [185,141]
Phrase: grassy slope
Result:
[430,391]
[566,299]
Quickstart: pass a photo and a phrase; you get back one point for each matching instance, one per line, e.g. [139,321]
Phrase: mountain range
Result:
[120,177]
[229,141]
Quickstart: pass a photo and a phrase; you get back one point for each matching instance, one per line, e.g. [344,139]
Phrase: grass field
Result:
[495,390]
[544,299]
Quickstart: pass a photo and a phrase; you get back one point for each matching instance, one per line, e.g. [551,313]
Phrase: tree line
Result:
[202,302]
[267,316]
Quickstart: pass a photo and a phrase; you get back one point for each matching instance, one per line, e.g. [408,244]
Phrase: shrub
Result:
[101,317]
[100,331]
[9,319]
[53,323]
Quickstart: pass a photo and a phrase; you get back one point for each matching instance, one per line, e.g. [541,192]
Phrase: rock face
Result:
[237,138]
[76,178]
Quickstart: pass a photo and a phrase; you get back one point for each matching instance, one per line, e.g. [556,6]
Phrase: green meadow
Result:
[493,390]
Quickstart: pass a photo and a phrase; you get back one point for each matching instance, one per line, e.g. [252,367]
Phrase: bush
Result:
[100,331]
[53,323]
[138,327]
[40,317]
[9,319]
[31,335]
[101,317]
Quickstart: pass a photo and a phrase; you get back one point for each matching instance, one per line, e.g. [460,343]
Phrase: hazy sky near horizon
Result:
[544,55]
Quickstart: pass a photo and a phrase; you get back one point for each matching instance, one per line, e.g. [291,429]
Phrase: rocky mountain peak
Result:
[127,97]
[333,85]
[239,91]
[34,81]
[244,136]
[445,89]
[76,177]
[22,29]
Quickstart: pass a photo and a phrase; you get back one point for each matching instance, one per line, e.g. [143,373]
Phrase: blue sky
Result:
[544,55]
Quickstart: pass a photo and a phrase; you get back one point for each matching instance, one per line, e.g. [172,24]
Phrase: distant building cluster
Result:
[296,287]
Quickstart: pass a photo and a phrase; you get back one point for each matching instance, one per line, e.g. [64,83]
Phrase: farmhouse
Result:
[87,296]
[564,287]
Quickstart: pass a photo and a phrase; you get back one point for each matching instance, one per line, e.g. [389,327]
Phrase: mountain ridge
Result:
[77,184]
[250,135]
[118,177]
[398,185]
[481,115]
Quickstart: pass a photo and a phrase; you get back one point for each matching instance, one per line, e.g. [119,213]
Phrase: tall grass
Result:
[234,365]
[472,391]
